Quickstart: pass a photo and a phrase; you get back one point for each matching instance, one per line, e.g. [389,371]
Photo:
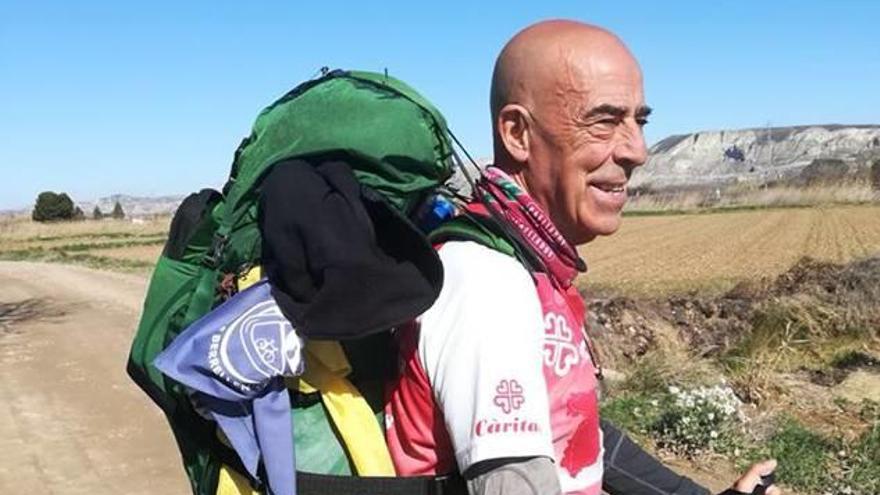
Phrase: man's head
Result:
[567,112]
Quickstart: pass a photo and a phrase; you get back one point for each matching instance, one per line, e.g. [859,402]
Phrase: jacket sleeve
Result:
[534,476]
[629,470]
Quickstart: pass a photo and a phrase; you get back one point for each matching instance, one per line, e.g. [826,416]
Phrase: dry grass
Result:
[751,196]
[22,230]
[656,255]
[110,244]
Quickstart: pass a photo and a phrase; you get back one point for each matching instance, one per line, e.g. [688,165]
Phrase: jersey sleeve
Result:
[480,347]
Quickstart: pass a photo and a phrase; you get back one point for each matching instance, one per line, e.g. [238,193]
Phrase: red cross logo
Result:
[509,396]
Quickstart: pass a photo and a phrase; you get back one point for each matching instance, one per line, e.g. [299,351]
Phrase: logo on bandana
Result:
[559,351]
[509,396]
[257,345]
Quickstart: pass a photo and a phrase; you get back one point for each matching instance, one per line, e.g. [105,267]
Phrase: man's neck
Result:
[517,174]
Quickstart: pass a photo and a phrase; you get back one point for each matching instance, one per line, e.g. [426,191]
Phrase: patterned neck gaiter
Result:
[507,200]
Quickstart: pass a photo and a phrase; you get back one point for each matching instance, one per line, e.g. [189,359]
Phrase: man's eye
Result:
[605,125]
[603,128]
[642,122]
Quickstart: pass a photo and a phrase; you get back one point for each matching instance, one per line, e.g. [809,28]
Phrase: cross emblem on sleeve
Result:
[509,396]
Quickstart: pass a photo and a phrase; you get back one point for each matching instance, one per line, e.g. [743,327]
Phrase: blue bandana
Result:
[234,360]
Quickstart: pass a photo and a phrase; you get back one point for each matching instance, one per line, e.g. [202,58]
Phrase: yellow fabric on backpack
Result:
[325,372]
[232,483]
[249,278]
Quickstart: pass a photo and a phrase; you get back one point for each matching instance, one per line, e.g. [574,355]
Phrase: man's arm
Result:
[480,346]
[513,476]
[629,470]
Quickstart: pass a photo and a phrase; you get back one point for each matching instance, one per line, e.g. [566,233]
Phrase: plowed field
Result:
[654,255]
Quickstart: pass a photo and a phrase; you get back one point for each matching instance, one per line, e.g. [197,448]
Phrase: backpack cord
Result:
[460,164]
[522,248]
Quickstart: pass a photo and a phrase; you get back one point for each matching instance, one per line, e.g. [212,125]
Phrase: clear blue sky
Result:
[148,98]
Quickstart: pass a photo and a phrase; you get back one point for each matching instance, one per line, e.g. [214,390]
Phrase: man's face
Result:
[586,142]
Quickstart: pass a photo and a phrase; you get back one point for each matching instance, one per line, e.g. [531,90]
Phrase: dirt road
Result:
[71,422]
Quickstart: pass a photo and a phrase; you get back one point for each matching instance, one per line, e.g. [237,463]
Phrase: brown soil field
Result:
[657,255]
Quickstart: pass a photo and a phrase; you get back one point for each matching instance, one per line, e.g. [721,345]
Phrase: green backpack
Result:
[397,143]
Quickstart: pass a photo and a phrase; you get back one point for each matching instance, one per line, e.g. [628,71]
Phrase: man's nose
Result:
[631,149]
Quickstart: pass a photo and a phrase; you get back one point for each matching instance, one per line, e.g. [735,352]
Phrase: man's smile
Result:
[611,195]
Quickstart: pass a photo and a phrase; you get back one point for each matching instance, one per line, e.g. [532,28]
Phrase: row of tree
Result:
[56,207]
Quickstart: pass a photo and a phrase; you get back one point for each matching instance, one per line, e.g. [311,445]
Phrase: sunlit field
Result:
[656,255]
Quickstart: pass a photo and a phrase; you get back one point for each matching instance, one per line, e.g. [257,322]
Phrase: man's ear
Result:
[513,129]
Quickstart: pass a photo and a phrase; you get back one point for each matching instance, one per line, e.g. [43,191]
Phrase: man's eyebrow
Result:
[606,109]
[616,111]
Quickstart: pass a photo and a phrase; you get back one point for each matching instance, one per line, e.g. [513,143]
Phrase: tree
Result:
[97,214]
[118,214]
[78,214]
[52,207]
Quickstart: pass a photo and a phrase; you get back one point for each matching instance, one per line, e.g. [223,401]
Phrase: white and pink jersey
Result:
[498,367]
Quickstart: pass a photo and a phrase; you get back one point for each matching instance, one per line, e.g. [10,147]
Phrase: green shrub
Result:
[634,413]
[698,420]
[804,456]
[52,207]
[687,422]
[864,462]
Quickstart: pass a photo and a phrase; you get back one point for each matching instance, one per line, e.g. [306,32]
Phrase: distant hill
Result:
[134,206]
[757,155]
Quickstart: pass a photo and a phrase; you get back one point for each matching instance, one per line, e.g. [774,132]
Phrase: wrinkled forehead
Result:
[588,76]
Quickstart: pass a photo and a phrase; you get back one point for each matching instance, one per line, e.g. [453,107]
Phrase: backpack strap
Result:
[320,484]
[326,370]
[232,482]
[479,226]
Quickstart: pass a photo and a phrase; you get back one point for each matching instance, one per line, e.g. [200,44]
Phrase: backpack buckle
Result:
[215,253]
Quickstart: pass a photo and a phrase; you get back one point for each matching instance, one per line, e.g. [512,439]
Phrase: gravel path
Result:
[71,421]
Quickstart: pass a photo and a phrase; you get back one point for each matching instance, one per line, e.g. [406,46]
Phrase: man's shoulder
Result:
[482,288]
[470,262]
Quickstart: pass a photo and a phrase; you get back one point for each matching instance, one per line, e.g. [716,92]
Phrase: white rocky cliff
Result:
[755,155]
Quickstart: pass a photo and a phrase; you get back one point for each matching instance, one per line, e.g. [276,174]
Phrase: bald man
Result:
[498,380]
